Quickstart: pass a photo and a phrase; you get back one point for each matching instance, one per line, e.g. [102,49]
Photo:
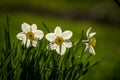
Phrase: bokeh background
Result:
[76,15]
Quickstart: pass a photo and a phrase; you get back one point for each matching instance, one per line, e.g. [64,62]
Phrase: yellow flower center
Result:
[93,42]
[30,35]
[59,40]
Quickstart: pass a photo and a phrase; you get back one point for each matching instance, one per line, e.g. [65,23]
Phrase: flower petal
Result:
[39,34]
[28,43]
[91,34]
[88,32]
[86,47]
[67,44]
[21,36]
[58,31]
[34,43]
[24,41]
[34,27]
[67,34]
[91,50]
[25,27]
[61,49]
[52,46]
[85,41]
[50,37]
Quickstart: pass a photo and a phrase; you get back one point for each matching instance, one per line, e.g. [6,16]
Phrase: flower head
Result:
[30,35]
[90,42]
[59,40]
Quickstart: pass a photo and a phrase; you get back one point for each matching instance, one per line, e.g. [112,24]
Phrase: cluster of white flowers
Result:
[59,40]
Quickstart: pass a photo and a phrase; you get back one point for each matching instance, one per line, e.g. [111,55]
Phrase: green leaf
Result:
[90,55]
[84,72]
[81,66]
[88,63]
[94,64]
[45,26]
[7,59]
[79,43]
[7,35]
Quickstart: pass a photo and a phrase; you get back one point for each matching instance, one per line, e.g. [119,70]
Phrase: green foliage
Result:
[20,63]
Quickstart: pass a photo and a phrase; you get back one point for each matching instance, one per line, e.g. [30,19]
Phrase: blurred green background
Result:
[76,15]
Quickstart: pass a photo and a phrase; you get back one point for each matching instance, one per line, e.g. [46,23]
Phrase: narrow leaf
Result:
[45,26]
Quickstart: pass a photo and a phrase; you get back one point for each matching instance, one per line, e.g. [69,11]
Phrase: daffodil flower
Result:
[59,40]
[90,42]
[30,35]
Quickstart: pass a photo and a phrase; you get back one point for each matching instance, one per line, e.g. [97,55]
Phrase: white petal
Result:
[24,41]
[67,44]
[91,50]
[34,43]
[34,27]
[39,34]
[52,46]
[91,34]
[84,41]
[86,48]
[67,34]
[61,50]
[50,37]
[58,31]
[25,27]
[21,36]
[28,43]
[88,32]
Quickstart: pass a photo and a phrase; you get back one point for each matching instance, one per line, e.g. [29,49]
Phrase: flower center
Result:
[59,40]
[30,35]
[93,42]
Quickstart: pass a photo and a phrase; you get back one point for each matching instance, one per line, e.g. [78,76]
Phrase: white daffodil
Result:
[30,35]
[90,42]
[59,40]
